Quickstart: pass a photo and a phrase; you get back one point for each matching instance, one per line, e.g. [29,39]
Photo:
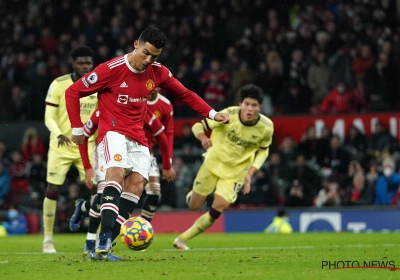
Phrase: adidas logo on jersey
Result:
[123,85]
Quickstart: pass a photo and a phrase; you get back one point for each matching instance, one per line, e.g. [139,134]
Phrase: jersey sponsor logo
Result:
[239,141]
[92,79]
[117,157]
[150,84]
[122,98]
[124,85]
[85,83]
[108,197]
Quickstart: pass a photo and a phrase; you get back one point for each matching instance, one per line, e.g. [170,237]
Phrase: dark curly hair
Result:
[251,91]
[81,51]
[153,36]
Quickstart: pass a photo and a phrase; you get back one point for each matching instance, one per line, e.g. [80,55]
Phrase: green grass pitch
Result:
[213,256]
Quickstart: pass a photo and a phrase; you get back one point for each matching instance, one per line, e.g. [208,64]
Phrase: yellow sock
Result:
[201,224]
[49,215]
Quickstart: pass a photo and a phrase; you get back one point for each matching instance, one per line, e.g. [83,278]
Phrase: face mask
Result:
[12,214]
[341,89]
[387,171]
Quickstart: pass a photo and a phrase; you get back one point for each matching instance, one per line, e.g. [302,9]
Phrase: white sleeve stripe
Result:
[152,120]
[158,132]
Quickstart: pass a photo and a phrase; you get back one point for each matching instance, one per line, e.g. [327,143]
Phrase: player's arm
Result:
[92,82]
[52,101]
[260,158]
[173,86]
[199,130]
[168,172]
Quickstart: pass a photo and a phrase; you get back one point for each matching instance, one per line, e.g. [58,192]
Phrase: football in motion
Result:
[137,233]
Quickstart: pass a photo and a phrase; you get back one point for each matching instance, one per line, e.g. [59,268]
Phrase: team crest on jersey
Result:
[117,157]
[102,168]
[92,79]
[157,114]
[150,84]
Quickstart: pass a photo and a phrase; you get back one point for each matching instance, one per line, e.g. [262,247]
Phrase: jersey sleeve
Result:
[54,94]
[100,78]
[92,123]
[173,86]
[206,125]
[83,151]
[263,151]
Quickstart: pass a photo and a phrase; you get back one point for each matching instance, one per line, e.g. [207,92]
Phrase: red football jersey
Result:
[122,94]
[162,108]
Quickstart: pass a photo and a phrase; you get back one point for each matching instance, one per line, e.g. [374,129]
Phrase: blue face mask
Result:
[12,214]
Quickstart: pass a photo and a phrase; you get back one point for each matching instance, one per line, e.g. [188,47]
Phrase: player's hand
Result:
[89,176]
[168,174]
[222,117]
[63,141]
[206,143]
[78,139]
[247,185]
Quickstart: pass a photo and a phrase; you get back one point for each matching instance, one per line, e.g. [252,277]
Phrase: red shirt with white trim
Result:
[122,94]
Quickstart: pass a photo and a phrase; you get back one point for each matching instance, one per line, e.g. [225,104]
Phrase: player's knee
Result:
[116,174]
[53,191]
[153,188]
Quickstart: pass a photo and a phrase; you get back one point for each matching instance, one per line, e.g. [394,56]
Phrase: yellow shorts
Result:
[206,182]
[58,164]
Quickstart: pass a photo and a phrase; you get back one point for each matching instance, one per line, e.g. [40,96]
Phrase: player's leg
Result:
[203,185]
[134,184]
[152,191]
[94,220]
[116,158]
[57,168]
[81,206]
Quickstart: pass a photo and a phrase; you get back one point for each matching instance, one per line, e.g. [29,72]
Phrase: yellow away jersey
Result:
[56,97]
[234,145]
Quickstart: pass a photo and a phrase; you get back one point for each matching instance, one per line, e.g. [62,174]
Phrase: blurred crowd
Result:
[308,56]
[319,56]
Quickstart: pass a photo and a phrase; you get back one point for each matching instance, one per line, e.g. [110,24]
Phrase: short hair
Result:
[81,51]
[251,91]
[153,36]
[282,212]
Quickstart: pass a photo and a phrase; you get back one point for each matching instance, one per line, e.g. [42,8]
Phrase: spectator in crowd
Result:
[19,180]
[308,144]
[287,150]
[294,100]
[356,142]
[379,139]
[319,78]
[17,108]
[335,160]
[4,154]
[307,176]
[340,100]
[329,194]
[279,174]
[37,179]
[32,144]
[363,61]
[298,195]
[5,182]
[16,222]
[359,192]
[387,184]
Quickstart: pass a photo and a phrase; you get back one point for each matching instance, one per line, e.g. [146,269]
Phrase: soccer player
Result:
[234,154]
[161,107]
[155,129]
[124,85]
[62,153]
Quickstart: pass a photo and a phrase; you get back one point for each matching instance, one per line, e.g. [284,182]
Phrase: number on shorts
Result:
[237,187]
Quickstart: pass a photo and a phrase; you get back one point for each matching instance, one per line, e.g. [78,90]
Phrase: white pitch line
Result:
[230,249]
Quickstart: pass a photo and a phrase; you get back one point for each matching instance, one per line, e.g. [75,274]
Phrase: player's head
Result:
[251,98]
[82,60]
[148,47]
[153,94]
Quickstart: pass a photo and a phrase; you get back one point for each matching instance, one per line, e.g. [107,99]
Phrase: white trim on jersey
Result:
[158,132]
[130,67]
[156,64]
[152,119]
[117,61]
